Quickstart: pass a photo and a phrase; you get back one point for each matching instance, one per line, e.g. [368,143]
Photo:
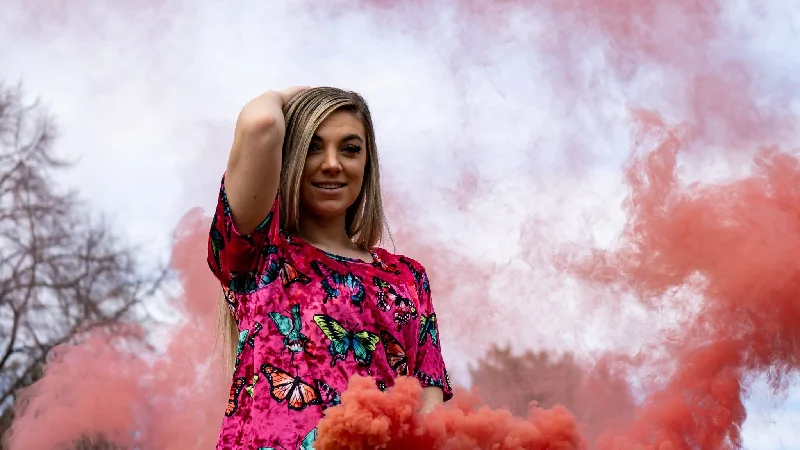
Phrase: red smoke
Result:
[720,255]
[369,418]
[732,246]
[114,387]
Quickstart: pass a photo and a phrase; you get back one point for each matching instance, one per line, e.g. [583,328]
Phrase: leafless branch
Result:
[62,273]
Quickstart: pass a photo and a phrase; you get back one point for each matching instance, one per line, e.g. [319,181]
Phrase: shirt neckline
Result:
[372,252]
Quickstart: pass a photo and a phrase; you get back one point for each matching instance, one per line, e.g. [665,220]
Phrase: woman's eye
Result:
[313,148]
[352,149]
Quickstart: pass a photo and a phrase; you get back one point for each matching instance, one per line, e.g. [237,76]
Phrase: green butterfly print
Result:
[245,337]
[240,345]
[291,329]
[307,444]
[362,343]
[251,388]
[217,243]
[428,326]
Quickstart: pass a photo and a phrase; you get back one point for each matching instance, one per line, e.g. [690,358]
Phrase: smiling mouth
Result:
[329,186]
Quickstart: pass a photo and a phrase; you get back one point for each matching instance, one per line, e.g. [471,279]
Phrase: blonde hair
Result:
[365,221]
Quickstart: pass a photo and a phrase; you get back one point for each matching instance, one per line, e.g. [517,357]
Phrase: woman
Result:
[310,296]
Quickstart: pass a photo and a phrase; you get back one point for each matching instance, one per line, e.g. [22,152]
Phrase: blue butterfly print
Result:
[291,329]
[333,283]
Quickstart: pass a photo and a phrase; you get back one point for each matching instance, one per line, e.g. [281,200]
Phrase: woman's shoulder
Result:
[388,258]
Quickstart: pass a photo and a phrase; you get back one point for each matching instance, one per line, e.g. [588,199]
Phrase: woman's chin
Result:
[328,210]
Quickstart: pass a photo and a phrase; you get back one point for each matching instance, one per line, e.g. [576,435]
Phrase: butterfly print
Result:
[293,390]
[226,213]
[381,385]
[251,338]
[251,388]
[427,380]
[333,283]
[420,277]
[231,300]
[395,354]
[306,444]
[243,282]
[289,239]
[288,273]
[361,343]
[233,398]
[379,264]
[240,345]
[328,395]
[217,243]
[404,311]
[428,327]
[291,329]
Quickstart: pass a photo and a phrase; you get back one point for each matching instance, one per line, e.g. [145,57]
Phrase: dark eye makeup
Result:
[350,148]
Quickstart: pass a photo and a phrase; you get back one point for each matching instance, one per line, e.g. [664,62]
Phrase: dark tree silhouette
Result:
[62,273]
[596,394]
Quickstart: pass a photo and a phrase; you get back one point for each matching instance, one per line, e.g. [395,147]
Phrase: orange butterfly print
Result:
[395,354]
[284,387]
[233,399]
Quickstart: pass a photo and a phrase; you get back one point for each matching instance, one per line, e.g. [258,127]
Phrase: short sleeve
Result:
[429,366]
[236,260]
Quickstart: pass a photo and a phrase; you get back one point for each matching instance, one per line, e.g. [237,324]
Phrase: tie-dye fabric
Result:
[308,320]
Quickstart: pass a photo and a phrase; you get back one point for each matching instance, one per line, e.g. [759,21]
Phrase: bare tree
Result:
[61,272]
[596,394]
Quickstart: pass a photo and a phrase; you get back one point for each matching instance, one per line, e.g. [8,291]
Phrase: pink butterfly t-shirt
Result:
[308,320]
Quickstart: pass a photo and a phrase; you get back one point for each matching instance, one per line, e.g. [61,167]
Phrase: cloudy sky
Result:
[500,114]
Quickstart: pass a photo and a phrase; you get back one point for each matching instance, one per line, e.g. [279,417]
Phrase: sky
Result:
[490,121]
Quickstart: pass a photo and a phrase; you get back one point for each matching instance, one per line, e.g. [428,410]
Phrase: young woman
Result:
[310,296]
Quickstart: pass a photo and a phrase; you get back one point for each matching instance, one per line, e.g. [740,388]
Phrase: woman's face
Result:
[334,169]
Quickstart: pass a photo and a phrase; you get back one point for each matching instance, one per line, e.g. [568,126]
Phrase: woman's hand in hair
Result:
[289,93]
[254,164]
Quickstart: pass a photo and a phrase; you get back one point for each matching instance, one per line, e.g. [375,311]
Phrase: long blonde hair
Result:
[365,221]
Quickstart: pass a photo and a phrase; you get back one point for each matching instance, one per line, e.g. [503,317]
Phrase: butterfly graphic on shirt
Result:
[245,337]
[381,385]
[447,380]
[427,380]
[333,282]
[306,444]
[404,309]
[420,277]
[289,239]
[233,398]
[292,389]
[240,345]
[250,389]
[395,354]
[361,343]
[217,243]
[244,282]
[380,265]
[231,300]
[226,213]
[329,396]
[287,272]
[428,327]
[291,329]
[251,338]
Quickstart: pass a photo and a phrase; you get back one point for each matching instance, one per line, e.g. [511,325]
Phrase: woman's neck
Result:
[329,235]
